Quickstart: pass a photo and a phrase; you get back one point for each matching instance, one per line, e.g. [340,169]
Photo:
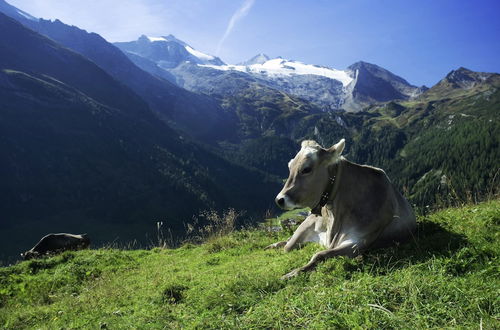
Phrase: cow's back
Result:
[367,203]
[61,241]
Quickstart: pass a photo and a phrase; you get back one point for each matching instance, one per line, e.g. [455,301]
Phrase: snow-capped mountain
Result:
[331,89]
[167,52]
[324,86]
[279,67]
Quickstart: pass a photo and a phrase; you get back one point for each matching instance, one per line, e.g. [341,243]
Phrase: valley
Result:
[109,138]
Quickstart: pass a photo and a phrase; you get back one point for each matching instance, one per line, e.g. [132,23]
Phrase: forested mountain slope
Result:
[80,151]
[443,144]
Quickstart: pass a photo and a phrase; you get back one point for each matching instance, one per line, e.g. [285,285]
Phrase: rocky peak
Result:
[465,78]
[257,59]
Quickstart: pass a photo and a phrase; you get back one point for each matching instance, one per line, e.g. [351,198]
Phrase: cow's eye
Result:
[306,170]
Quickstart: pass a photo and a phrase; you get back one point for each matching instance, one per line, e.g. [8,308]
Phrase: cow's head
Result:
[30,255]
[308,175]
[85,243]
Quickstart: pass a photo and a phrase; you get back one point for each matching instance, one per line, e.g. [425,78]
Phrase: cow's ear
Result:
[335,151]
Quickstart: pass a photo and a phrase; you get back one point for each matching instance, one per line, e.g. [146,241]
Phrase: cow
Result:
[353,207]
[54,243]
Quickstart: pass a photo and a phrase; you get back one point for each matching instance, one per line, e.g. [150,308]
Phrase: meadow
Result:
[447,277]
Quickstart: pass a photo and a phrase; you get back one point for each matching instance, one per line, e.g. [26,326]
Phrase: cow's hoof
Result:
[275,245]
[292,274]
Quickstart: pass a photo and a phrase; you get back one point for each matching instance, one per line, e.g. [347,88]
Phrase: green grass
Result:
[296,214]
[447,277]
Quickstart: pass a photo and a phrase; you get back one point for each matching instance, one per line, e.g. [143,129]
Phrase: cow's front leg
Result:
[303,233]
[300,235]
[276,245]
[348,248]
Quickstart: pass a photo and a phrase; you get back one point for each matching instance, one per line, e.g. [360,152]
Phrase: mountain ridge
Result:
[350,89]
[173,104]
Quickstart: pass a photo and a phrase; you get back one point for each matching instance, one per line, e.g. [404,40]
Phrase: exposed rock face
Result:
[374,84]
[465,78]
[328,93]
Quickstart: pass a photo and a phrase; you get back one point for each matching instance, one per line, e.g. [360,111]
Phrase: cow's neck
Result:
[331,187]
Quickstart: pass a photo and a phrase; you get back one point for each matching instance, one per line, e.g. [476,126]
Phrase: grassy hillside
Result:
[447,277]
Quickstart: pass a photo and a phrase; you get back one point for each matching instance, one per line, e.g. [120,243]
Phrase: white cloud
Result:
[239,14]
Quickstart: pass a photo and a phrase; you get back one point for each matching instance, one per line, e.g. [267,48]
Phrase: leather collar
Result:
[325,197]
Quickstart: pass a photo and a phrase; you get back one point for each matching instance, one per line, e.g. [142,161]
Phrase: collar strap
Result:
[326,195]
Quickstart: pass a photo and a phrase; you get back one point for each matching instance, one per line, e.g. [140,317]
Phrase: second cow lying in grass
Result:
[55,243]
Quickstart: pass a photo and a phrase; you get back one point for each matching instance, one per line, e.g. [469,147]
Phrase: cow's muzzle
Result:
[285,202]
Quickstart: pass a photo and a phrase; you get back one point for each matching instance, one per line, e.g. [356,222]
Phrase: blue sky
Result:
[419,40]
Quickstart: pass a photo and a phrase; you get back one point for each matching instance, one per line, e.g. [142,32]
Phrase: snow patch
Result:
[27,16]
[282,67]
[153,39]
[198,54]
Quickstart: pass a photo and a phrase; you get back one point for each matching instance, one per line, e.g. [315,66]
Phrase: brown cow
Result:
[353,207]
